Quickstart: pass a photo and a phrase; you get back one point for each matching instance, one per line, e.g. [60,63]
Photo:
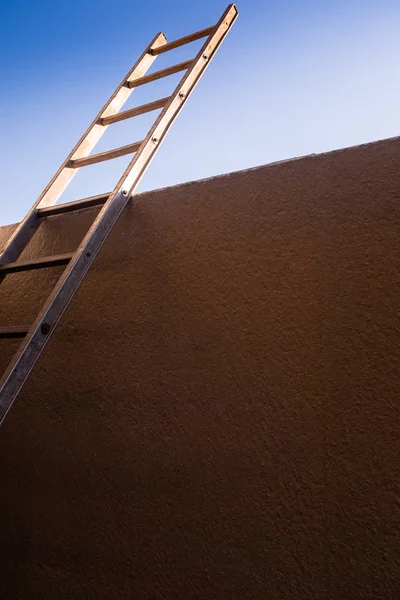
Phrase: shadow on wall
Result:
[217,415]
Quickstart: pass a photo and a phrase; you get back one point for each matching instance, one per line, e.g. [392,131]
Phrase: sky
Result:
[292,78]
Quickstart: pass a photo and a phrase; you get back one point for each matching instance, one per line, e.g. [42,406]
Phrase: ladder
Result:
[35,336]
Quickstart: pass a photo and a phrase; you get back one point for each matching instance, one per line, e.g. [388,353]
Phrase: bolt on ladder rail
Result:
[35,336]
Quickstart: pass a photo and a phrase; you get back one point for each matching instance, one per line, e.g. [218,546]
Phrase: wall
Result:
[218,414]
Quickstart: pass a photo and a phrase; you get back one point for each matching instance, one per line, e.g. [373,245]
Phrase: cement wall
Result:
[218,414]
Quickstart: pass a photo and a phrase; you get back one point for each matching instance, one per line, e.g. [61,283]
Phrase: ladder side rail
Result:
[40,332]
[23,233]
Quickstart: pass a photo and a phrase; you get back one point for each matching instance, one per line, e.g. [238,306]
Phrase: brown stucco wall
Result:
[218,414]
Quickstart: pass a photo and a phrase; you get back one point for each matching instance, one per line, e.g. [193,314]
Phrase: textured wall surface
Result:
[218,414]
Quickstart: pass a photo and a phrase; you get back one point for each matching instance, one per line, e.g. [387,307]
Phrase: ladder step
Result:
[96,158]
[182,41]
[71,206]
[159,74]
[13,332]
[134,112]
[36,263]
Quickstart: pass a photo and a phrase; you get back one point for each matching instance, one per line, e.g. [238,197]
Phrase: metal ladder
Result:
[77,263]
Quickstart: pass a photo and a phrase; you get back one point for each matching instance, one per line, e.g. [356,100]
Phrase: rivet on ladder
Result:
[154,140]
[181,95]
[45,328]
[124,192]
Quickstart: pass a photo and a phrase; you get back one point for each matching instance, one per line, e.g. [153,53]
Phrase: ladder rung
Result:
[159,74]
[36,263]
[13,332]
[134,112]
[96,158]
[182,41]
[71,206]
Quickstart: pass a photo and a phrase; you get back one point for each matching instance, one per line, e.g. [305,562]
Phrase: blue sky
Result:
[292,78]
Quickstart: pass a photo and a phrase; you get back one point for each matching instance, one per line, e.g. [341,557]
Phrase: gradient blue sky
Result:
[292,78]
